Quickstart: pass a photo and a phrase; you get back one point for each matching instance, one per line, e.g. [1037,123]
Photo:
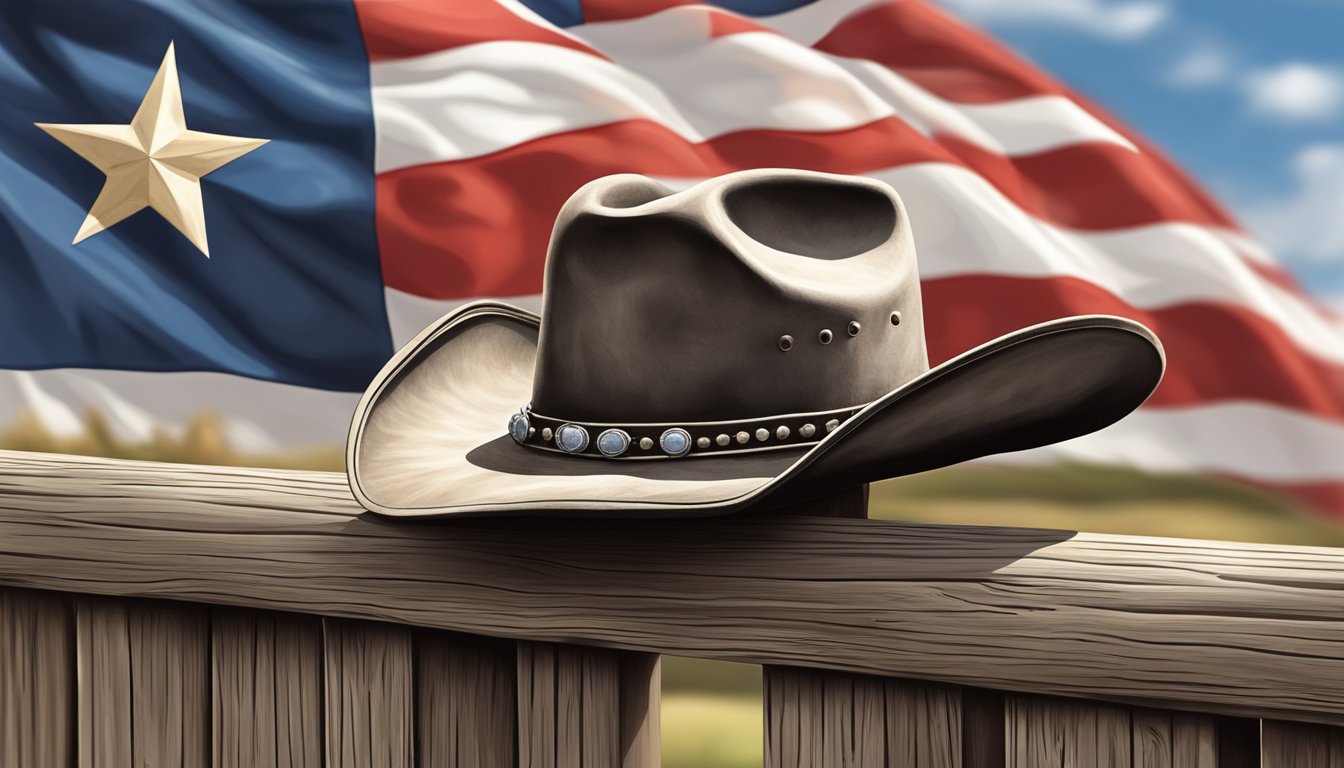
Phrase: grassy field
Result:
[712,710]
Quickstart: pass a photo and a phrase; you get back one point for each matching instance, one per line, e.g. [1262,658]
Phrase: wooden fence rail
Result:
[294,629]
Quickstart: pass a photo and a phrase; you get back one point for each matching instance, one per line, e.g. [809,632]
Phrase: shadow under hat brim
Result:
[428,438]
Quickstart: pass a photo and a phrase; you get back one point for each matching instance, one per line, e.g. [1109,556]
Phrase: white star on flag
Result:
[154,162]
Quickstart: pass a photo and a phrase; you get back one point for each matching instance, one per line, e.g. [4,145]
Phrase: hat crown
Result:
[753,294]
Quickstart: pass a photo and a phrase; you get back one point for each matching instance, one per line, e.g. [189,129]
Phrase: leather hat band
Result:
[671,441]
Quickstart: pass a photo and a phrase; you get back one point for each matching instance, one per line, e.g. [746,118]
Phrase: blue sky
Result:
[1247,96]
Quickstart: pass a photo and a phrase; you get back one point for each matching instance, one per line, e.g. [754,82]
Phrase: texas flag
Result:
[247,206]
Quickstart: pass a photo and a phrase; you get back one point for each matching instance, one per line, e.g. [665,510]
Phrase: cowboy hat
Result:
[756,336]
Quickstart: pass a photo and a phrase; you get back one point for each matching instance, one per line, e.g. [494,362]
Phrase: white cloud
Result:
[1295,92]
[1122,21]
[1202,66]
[1308,224]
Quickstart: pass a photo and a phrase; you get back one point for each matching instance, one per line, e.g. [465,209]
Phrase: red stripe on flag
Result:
[937,52]
[957,63]
[1087,186]
[397,29]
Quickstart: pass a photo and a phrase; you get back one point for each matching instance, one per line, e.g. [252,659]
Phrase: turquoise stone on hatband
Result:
[675,442]
[518,427]
[571,438]
[612,443]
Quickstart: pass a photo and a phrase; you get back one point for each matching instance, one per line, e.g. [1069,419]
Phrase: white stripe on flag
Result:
[1249,440]
[482,98]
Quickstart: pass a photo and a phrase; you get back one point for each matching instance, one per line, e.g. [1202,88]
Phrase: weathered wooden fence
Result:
[162,615]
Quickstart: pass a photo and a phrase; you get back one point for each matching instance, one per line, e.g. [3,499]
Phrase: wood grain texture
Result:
[103,642]
[1220,627]
[1173,740]
[37,689]
[641,681]
[369,701]
[465,702]
[576,710]
[143,683]
[1293,745]
[1051,732]
[817,718]
[924,724]
[266,672]
[170,684]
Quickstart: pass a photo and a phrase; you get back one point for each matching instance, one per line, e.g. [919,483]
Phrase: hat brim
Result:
[428,438]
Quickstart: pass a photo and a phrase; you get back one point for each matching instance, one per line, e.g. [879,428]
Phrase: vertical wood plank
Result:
[103,649]
[1194,741]
[569,706]
[143,683]
[834,719]
[1048,732]
[369,683]
[465,704]
[170,683]
[267,689]
[1294,745]
[537,706]
[585,707]
[37,663]
[641,680]
[924,724]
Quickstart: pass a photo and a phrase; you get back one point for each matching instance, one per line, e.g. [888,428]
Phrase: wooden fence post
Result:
[266,675]
[584,707]
[144,674]
[369,707]
[37,666]
[466,694]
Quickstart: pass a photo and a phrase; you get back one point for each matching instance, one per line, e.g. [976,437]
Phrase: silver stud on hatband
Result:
[825,336]
[786,342]
[675,442]
[807,430]
[832,424]
[546,434]
[646,443]
[762,434]
[743,437]
[702,443]
[782,433]
[723,440]
[613,442]
[571,438]
[854,328]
